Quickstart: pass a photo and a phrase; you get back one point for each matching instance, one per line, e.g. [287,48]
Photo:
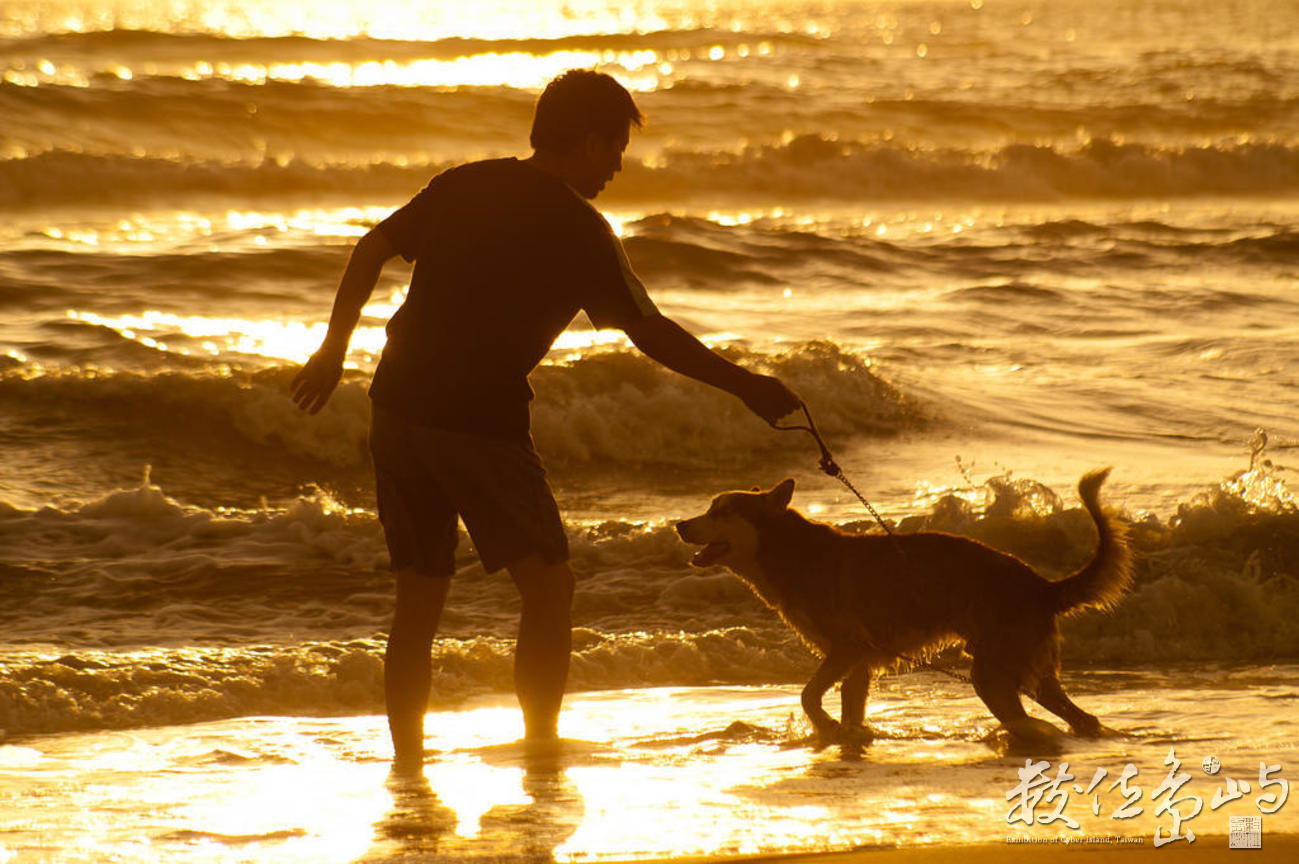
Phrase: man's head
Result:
[583,119]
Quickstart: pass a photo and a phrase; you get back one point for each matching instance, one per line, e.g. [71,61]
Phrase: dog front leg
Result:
[832,668]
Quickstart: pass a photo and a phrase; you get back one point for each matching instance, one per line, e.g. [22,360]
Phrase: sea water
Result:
[991,244]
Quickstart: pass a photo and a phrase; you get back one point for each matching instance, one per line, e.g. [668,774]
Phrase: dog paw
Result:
[1031,737]
[1102,731]
[828,731]
[856,735]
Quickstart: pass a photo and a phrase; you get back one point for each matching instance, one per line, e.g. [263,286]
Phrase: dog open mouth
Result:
[710,553]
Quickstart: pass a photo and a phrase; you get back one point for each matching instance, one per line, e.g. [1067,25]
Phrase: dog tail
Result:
[1100,583]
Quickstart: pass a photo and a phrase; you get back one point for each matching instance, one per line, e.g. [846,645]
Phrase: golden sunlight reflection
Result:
[409,19]
[273,797]
[640,70]
[512,69]
[576,342]
[656,772]
[185,334]
[296,341]
[473,789]
[126,232]
[1261,488]
[686,816]
[389,19]
[1028,498]
[332,222]
[206,794]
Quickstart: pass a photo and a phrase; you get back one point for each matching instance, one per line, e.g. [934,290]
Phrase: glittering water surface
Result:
[650,772]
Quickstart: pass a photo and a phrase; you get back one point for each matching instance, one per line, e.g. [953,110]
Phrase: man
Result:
[506,252]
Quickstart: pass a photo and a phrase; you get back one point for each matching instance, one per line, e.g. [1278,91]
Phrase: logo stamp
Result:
[1245,832]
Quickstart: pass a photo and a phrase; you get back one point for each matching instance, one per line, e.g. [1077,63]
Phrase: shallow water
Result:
[651,772]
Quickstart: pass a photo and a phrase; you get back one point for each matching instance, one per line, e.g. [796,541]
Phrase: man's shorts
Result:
[427,477]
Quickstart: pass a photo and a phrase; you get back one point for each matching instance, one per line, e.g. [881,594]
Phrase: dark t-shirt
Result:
[505,255]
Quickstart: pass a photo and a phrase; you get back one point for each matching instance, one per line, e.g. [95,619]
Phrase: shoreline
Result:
[1206,848]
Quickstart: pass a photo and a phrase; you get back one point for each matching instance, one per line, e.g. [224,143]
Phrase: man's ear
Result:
[780,496]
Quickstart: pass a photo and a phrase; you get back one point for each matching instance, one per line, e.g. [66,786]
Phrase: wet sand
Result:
[1207,848]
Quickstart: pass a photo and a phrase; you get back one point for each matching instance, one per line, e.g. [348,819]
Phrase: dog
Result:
[862,602]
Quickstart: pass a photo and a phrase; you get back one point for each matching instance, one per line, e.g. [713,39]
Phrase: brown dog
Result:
[861,602]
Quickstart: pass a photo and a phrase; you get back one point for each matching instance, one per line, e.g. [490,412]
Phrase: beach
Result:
[992,246]
[1101,853]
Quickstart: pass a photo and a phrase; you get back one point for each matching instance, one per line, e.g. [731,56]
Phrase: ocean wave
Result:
[153,45]
[612,408]
[668,250]
[221,119]
[700,251]
[230,121]
[66,177]
[807,168]
[90,690]
[57,279]
[139,551]
[816,167]
[1008,292]
[1267,249]
[1196,119]
[284,612]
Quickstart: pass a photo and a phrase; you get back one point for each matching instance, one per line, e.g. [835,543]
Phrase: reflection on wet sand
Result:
[422,826]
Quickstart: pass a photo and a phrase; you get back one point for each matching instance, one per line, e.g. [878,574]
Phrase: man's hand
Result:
[314,384]
[768,397]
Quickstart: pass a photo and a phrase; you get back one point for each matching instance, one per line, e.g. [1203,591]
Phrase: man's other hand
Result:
[314,384]
[769,398]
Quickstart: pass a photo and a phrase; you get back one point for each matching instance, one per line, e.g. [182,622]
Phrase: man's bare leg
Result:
[407,665]
[545,641]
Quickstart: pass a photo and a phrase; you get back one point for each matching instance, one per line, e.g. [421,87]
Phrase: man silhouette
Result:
[506,252]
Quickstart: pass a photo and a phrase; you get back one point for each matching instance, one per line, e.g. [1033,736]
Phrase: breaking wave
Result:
[283,611]
[614,407]
[807,168]
[815,167]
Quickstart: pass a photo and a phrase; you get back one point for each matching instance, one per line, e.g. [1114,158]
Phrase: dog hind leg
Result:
[1051,696]
[998,686]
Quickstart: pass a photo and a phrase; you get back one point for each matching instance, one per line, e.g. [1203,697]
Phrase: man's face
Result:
[601,158]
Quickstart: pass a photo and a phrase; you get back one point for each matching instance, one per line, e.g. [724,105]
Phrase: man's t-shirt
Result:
[505,255]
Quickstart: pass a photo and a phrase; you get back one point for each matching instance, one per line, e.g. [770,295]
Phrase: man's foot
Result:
[410,765]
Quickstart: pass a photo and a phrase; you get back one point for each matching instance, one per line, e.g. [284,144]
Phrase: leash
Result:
[831,468]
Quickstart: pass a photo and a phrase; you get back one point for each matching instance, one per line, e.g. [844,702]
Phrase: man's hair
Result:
[577,103]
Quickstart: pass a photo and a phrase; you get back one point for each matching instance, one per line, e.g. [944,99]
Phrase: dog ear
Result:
[780,496]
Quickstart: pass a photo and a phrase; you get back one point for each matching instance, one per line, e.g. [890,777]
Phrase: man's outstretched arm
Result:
[664,340]
[316,381]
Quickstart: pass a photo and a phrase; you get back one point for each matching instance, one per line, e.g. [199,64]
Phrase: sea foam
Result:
[284,612]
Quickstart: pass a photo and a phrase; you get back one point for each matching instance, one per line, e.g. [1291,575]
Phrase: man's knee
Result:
[542,584]
[420,597]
